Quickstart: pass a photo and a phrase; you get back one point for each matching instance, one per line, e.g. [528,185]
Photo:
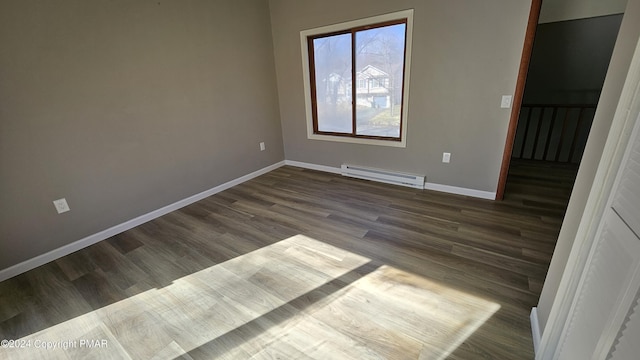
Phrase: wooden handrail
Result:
[586,106]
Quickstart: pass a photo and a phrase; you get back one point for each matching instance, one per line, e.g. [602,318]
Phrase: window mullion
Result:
[353,83]
[312,78]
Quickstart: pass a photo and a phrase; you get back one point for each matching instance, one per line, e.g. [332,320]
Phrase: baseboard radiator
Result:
[385,176]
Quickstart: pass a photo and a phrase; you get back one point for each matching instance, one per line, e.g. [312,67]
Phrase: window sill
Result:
[354,140]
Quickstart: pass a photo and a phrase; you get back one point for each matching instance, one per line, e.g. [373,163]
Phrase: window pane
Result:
[332,57]
[379,65]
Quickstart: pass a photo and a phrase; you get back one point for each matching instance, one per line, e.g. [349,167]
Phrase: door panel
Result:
[627,198]
[612,266]
[627,345]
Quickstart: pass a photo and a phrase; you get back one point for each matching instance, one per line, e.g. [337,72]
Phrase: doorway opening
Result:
[564,75]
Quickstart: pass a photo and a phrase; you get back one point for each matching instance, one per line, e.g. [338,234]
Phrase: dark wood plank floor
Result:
[303,264]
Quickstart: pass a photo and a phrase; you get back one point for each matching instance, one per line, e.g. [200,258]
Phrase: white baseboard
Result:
[535,329]
[114,230]
[461,191]
[117,229]
[427,186]
[329,169]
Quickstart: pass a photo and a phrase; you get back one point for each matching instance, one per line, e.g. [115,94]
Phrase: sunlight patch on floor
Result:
[298,298]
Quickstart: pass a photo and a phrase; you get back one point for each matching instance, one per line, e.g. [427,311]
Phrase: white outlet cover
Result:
[262,147]
[446,157]
[506,101]
[61,205]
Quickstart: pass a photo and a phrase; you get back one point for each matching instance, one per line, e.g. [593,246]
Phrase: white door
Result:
[603,323]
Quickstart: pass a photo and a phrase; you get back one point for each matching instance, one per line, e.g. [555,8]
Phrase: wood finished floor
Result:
[308,265]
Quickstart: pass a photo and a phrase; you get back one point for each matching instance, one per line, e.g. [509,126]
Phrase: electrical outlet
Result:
[262,147]
[446,157]
[61,205]
[506,101]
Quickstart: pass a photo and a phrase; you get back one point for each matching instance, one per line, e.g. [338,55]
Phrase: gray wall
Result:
[465,56]
[125,106]
[561,10]
[616,75]
[570,59]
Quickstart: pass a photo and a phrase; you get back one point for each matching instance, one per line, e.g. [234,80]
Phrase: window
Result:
[374,54]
